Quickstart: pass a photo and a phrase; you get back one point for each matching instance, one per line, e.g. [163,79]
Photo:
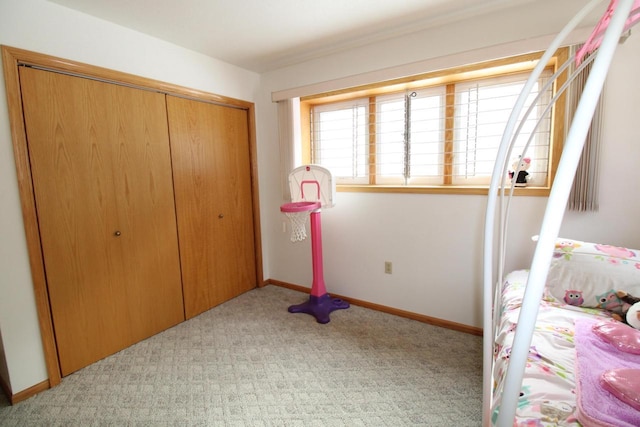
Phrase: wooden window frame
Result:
[447,78]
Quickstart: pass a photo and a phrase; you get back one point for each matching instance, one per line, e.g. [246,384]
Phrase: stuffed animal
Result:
[622,306]
[633,316]
[521,165]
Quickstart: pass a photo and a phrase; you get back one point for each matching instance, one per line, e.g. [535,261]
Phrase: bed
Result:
[556,350]
[581,275]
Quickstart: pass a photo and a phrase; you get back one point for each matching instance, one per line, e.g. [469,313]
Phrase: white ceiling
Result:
[262,35]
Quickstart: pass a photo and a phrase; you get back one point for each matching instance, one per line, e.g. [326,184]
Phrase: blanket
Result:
[595,405]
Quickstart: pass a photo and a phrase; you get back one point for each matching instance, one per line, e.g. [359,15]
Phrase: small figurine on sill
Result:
[521,165]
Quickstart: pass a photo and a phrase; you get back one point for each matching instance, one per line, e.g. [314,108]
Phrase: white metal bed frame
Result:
[497,211]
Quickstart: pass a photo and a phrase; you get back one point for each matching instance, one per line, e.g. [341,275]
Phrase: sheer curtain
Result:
[584,192]
[289,137]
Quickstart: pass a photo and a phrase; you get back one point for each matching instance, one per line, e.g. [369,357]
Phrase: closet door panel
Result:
[146,209]
[212,179]
[100,156]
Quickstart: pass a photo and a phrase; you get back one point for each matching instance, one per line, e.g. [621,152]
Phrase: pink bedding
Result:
[595,356]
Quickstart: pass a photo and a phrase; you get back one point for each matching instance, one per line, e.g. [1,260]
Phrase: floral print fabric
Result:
[547,395]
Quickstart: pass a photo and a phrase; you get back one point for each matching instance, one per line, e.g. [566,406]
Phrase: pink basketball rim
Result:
[300,206]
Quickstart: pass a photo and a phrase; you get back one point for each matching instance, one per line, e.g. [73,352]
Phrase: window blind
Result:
[482,112]
[441,135]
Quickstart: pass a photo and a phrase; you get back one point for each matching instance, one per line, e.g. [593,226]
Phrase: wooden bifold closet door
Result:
[101,170]
[212,179]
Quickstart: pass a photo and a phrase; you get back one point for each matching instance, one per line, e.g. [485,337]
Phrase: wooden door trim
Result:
[12,58]
[253,154]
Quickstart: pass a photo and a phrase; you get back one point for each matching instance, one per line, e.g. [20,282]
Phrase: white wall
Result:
[48,28]
[618,218]
[434,241]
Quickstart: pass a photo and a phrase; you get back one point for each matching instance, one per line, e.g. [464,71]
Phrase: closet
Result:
[144,203]
[212,177]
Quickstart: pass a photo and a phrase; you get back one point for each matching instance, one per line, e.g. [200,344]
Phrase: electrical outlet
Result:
[284,226]
[388,267]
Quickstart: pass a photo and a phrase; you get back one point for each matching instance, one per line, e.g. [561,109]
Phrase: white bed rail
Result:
[552,218]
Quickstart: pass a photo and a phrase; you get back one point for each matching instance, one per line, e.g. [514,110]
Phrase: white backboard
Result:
[311,183]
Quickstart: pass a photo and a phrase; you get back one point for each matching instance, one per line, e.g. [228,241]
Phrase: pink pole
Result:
[317,287]
[320,303]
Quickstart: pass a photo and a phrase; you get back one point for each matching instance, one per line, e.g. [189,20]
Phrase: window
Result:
[482,111]
[440,132]
[340,132]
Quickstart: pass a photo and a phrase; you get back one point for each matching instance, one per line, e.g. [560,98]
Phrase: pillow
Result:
[623,383]
[589,274]
[621,336]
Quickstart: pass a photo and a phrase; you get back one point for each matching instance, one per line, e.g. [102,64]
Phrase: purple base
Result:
[319,307]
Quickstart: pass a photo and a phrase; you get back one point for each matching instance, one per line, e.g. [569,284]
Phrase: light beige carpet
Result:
[249,362]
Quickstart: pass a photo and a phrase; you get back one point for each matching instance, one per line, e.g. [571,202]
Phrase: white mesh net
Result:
[298,225]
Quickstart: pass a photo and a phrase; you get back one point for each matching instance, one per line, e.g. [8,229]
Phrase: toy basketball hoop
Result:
[312,188]
[298,214]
